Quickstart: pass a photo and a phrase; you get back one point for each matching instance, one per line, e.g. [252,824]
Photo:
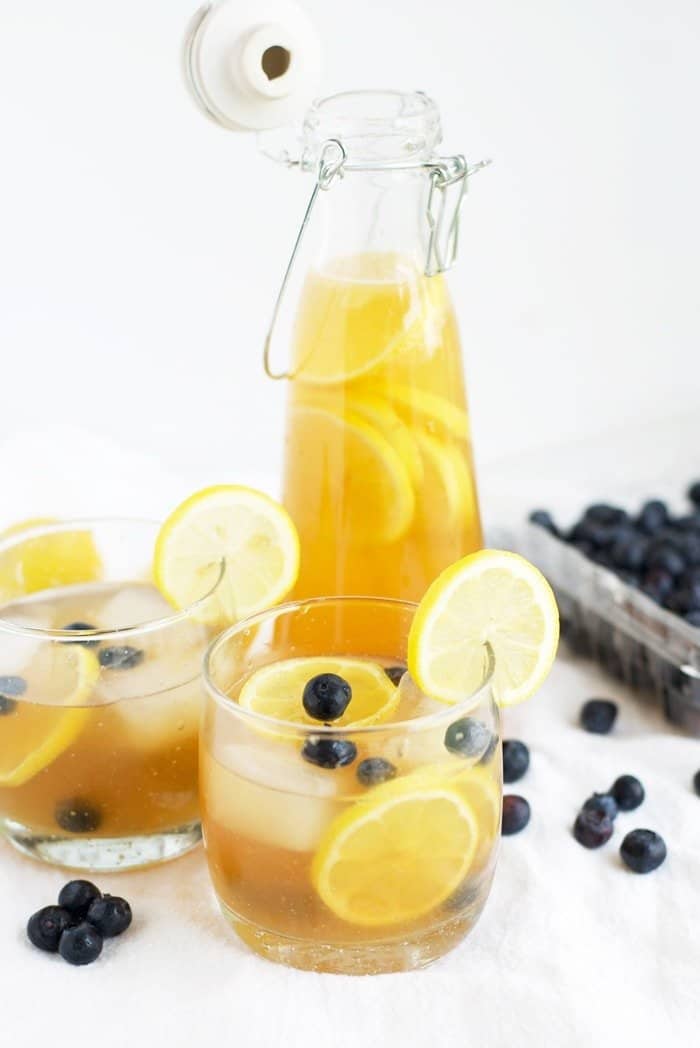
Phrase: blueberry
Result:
[693,617]
[120,657]
[77,896]
[628,792]
[592,829]
[110,915]
[10,689]
[598,716]
[696,782]
[652,517]
[82,627]
[694,493]
[668,559]
[468,737]
[685,599]
[77,815]
[374,770]
[584,546]
[643,851]
[689,547]
[45,928]
[516,760]
[604,803]
[395,673]
[543,519]
[516,814]
[658,584]
[629,552]
[80,945]
[599,535]
[602,513]
[329,753]
[326,697]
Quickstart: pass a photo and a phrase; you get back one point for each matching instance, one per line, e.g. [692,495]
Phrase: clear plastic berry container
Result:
[650,649]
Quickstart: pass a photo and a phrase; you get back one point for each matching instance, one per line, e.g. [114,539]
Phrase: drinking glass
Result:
[100,698]
[299,871]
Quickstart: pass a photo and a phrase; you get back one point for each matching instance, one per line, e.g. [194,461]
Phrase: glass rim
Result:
[289,728]
[96,635]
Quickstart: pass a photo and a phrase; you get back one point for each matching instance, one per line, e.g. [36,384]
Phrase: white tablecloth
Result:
[572,951]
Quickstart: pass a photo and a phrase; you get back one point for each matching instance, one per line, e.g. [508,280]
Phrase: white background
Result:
[141,246]
[140,251]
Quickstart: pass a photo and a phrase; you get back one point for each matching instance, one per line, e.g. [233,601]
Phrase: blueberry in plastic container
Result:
[653,516]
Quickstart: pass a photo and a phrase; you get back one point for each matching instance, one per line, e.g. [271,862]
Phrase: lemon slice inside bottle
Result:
[448,479]
[362,471]
[45,721]
[399,853]
[377,411]
[277,690]
[436,413]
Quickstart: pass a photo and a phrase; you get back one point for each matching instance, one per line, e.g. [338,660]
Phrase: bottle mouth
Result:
[374,127]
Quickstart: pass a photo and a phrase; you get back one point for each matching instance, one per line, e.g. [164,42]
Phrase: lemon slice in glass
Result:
[277,690]
[491,596]
[362,471]
[396,855]
[39,726]
[250,532]
[56,558]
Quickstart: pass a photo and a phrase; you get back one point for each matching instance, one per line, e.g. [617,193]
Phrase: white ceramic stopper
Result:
[252,64]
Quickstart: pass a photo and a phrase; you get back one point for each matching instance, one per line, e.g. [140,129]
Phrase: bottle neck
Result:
[378,217]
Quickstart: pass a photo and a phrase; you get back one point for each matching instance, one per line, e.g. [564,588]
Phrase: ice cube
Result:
[164,721]
[266,792]
[133,605]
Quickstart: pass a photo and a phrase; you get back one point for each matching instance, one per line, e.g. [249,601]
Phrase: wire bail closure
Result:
[444,173]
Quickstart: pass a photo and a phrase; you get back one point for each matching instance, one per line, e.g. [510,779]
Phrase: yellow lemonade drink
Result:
[360,847]
[379,471]
[100,699]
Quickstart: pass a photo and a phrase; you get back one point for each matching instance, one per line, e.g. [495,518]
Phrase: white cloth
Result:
[572,951]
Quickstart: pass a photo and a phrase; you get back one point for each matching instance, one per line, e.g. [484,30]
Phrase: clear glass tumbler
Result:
[380,863]
[100,698]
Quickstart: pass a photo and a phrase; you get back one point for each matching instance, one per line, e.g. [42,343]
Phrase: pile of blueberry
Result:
[77,927]
[326,698]
[652,550]
[641,850]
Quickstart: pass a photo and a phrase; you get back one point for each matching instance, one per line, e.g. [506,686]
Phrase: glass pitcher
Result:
[379,473]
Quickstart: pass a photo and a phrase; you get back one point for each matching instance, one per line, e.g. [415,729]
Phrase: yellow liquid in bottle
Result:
[379,474]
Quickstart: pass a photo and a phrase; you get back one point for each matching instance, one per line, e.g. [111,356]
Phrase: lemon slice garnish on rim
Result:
[252,533]
[490,597]
[362,468]
[277,690]
[51,713]
[397,854]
